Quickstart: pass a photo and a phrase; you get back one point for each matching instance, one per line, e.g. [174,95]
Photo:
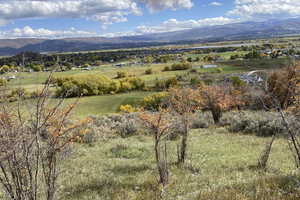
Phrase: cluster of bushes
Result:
[127,108]
[236,56]
[20,93]
[253,55]
[35,67]
[8,68]
[152,102]
[89,85]
[121,74]
[3,82]
[259,123]
[166,84]
[190,59]
[178,66]
[149,71]
[237,81]
[120,125]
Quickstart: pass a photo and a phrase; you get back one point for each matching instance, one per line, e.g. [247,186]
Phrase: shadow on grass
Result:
[265,188]
[129,170]
[111,189]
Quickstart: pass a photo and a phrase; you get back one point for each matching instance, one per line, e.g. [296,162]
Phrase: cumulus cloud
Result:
[215,3]
[168,4]
[250,9]
[175,25]
[28,32]
[105,11]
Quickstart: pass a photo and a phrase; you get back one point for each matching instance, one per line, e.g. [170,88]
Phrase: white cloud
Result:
[167,26]
[253,9]
[105,11]
[175,25]
[28,32]
[168,4]
[215,3]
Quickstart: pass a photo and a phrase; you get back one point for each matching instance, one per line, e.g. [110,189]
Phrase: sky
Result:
[112,18]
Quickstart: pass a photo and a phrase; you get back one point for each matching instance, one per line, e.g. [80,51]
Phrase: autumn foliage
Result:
[159,124]
[183,102]
[218,99]
[34,141]
[282,86]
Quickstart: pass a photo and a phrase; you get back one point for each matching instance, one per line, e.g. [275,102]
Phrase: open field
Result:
[219,161]
[99,105]
[107,104]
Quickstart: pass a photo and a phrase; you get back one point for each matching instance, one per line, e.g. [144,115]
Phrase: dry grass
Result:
[221,166]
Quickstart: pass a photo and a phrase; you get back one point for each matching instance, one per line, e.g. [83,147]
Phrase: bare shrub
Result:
[159,125]
[183,103]
[33,143]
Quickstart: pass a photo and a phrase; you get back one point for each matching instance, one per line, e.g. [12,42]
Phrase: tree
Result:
[4,69]
[282,85]
[183,102]
[159,125]
[282,91]
[218,99]
[252,55]
[3,82]
[36,68]
[148,59]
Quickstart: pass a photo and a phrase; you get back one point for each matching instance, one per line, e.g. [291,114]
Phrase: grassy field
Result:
[107,104]
[36,79]
[99,105]
[218,161]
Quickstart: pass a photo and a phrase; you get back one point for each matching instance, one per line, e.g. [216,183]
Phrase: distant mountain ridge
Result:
[236,31]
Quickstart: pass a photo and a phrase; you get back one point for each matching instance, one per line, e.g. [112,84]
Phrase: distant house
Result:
[209,66]
[8,78]
[120,65]
[251,78]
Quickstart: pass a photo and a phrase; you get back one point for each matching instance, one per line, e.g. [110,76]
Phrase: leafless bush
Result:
[32,144]
[159,125]
[281,92]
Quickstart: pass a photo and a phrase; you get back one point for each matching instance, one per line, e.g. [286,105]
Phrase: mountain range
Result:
[235,31]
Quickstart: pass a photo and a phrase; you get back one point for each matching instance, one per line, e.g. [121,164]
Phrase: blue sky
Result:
[82,18]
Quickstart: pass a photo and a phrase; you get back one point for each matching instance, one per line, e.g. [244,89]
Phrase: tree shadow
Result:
[129,170]
[110,189]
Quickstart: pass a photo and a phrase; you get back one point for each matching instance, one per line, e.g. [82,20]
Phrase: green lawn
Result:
[100,105]
[125,168]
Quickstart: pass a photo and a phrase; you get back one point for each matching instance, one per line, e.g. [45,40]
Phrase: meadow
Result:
[99,105]
[221,165]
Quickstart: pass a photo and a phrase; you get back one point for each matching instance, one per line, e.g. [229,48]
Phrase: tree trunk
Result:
[161,166]
[217,114]
[183,147]
[264,158]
